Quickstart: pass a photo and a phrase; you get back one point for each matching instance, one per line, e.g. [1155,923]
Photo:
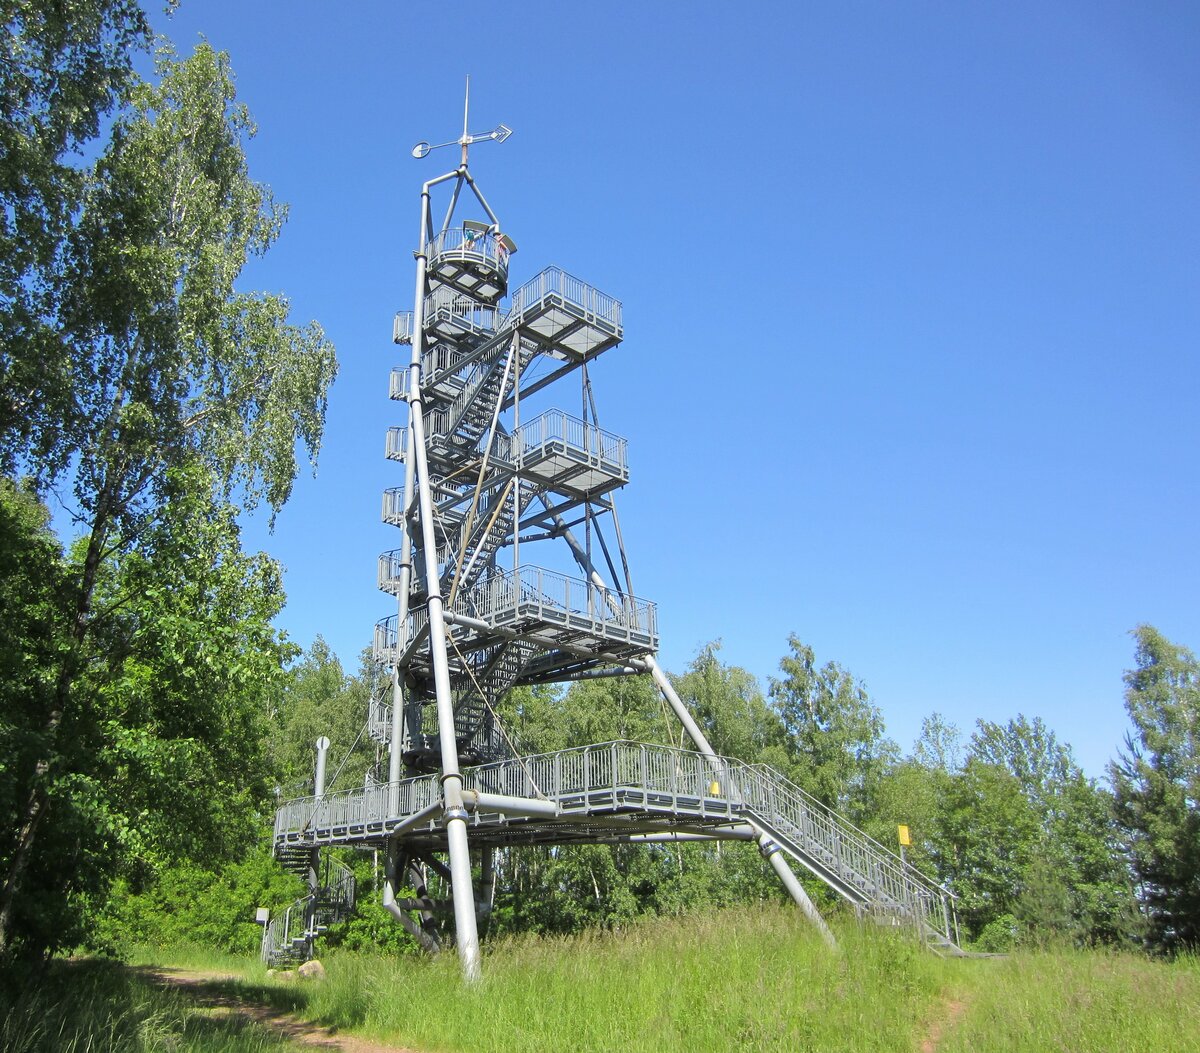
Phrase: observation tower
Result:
[510,569]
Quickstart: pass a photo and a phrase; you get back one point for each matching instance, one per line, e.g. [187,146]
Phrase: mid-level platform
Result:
[548,609]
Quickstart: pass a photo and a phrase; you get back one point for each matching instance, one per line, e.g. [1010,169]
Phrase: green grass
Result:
[757,980]
[191,956]
[746,980]
[1081,1001]
[102,1007]
[735,980]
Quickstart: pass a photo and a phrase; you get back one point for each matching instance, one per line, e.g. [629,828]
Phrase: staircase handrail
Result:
[844,824]
[877,877]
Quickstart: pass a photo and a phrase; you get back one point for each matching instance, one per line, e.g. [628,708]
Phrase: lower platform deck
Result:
[604,794]
[621,791]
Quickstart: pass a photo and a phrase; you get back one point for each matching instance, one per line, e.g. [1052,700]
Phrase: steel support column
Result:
[466,931]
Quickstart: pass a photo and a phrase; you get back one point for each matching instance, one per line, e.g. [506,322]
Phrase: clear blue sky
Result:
[912,308]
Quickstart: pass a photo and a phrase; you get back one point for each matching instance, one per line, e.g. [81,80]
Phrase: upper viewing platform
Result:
[472,260]
[565,315]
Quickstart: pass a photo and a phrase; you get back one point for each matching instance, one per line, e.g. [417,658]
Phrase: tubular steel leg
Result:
[770,850]
[466,932]
[773,854]
[416,877]
[487,880]
[391,869]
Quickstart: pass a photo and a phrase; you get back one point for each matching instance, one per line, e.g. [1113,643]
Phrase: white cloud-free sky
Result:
[912,311]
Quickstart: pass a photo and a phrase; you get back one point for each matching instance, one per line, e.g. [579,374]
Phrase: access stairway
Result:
[289,937]
[626,791]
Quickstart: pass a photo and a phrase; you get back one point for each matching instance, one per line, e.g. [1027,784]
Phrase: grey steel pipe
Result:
[425,815]
[323,745]
[479,801]
[487,881]
[404,584]
[466,931]
[773,854]
[770,850]
[393,907]
[313,872]
[731,835]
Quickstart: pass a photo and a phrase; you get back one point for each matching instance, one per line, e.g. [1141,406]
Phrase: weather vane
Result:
[498,134]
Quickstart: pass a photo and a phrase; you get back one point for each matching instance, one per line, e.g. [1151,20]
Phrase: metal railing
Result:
[388,575]
[288,937]
[379,718]
[402,327]
[393,505]
[471,246]
[383,643]
[593,305]
[397,444]
[453,314]
[663,780]
[555,430]
[532,593]
[558,599]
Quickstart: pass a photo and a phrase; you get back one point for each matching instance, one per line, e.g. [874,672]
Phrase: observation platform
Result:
[555,451]
[543,607]
[555,313]
[618,792]
[565,454]
[472,260]
[566,316]
[402,327]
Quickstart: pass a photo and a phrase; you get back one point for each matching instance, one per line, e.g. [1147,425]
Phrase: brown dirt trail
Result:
[951,1011]
[212,990]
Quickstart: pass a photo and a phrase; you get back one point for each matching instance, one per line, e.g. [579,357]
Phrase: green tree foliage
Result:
[939,746]
[162,759]
[836,733]
[731,710]
[320,699]
[987,839]
[1027,842]
[33,600]
[174,393]
[193,905]
[1156,781]
[63,64]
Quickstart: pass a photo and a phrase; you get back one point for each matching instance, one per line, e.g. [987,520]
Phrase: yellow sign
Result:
[905,839]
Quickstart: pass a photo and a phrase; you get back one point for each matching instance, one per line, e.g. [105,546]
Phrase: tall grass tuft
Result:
[100,1007]
[1082,1001]
[757,979]
[750,980]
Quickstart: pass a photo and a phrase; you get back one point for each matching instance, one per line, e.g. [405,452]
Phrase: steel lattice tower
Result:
[488,487]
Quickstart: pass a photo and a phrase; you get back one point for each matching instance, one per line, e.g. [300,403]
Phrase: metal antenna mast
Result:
[482,475]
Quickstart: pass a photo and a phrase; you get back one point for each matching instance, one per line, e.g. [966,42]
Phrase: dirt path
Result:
[950,1012]
[212,990]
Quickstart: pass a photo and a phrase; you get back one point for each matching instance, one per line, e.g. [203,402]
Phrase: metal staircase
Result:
[289,937]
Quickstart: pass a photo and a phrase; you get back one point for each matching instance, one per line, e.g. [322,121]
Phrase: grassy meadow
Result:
[758,980]
[734,980]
